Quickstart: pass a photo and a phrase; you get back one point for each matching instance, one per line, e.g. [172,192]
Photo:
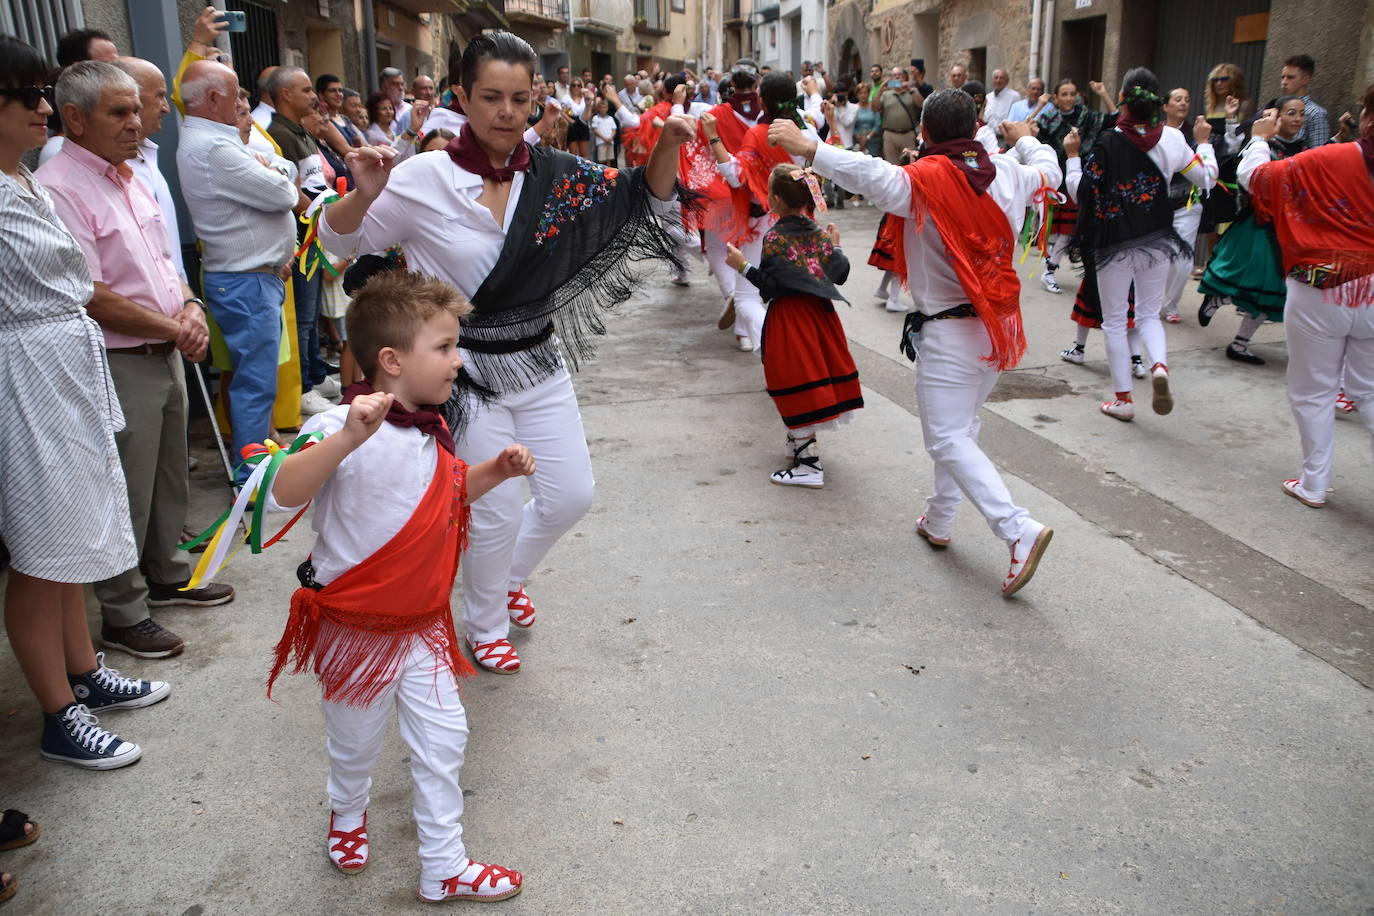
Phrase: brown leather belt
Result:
[148,349]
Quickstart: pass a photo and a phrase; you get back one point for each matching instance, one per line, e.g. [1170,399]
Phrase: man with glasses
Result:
[329,89]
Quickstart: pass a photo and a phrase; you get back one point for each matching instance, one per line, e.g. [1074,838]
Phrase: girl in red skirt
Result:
[806,362]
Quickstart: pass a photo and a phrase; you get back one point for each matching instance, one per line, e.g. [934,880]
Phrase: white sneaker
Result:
[477,881]
[329,388]
[679,278]
[803,475]
[1073,355]
[895,304]
[1047,281]
[744,344]
[312,402]
[1137,367]
[1121,410]
[1026,552]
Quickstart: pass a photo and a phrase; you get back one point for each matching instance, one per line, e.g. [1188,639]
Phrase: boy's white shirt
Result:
[369,497]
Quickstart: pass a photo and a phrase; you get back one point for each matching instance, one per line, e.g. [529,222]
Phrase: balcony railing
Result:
[537,10]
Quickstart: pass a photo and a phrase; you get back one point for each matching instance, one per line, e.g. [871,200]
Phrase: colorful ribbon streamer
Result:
[311,254]
[265,460]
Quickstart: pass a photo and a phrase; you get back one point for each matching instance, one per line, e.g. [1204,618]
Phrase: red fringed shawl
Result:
[1321,203]
[724,210]
[359,628]
[638,150]
[757,160]
[979,245]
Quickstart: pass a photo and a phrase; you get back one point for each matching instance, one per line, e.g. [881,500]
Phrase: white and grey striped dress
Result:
[64,507]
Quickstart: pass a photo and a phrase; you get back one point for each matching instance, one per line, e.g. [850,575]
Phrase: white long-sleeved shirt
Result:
[445,117]
[241,209]
[1256,153]
[1021,172]
[1170,155]
[430,208]
[998,106]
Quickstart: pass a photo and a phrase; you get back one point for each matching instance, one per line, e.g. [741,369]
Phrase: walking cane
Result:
[214,424]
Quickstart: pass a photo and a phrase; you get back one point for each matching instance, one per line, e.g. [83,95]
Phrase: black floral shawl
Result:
[1123,205]
[798,257]
[577,230]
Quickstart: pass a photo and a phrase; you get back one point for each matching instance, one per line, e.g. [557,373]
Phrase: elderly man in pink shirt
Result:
[150,319]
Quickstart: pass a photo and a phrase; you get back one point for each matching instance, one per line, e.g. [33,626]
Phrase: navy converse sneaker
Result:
[106,688]
[74,736]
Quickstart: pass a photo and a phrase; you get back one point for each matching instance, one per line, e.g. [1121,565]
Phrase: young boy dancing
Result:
[372,618]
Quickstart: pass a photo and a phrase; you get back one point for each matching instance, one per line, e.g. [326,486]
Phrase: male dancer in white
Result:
[953,372]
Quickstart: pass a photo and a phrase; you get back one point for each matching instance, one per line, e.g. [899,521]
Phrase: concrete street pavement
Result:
[743,698]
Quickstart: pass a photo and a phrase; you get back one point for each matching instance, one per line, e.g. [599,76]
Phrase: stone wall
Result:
[1332,32]
[955,29]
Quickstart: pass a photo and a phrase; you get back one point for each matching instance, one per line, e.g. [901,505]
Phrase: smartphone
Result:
[894,84]
[237,19]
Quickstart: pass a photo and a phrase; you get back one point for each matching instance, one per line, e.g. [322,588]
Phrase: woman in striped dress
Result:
[64,509]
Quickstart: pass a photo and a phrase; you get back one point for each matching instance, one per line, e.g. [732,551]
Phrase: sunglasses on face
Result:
[1221,79]
[30,96]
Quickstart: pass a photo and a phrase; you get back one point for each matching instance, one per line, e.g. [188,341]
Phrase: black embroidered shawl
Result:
[577,230]
[799,258]
[1123,205]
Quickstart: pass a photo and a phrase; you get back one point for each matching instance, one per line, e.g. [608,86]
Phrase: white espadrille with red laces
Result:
[933,540]
[348,849]
[1026,552]
[520,607]
[478,881]
[497,656]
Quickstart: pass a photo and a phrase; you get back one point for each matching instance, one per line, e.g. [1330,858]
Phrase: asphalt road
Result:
[742,698]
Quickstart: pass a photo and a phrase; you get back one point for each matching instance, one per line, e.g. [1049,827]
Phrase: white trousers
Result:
[508,537]
[1059,244]
[715,256]
[434,726]
[1150,274]
[952,381]
[749,309]
[1323,336]
[1186,223]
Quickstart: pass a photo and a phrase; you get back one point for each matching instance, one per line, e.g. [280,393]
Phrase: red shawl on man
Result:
[949,187]
[723,210]
[757,159]
[638,148]
[1321,203]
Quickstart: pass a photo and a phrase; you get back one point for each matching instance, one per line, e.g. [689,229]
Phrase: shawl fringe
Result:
[355,661]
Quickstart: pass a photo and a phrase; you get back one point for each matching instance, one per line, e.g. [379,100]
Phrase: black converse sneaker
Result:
[74,736]
[106,688]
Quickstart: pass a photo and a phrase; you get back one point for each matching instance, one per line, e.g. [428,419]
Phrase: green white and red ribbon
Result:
[310,256]
[266,460]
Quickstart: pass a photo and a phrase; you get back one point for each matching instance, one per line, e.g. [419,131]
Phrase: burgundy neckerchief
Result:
[1367,147]
[746,104]
[457,107]
[426,419]
[1139,131]
[465,151]
[972,159]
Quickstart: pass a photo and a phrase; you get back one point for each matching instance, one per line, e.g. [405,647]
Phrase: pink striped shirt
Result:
[118,225]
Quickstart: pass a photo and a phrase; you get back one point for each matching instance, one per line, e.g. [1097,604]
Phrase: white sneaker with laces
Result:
[312,402]
[1073,355]
[1163,398]
[329,388]
[1137,367]
[1047,281]
[1026,552]
[806,470]
[478,881]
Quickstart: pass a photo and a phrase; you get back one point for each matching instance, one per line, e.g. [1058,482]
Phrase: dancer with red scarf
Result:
[542,243]
[723,213]
[748,168]
[372,616]
[1321,205]
[1125,229]
[961,211]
